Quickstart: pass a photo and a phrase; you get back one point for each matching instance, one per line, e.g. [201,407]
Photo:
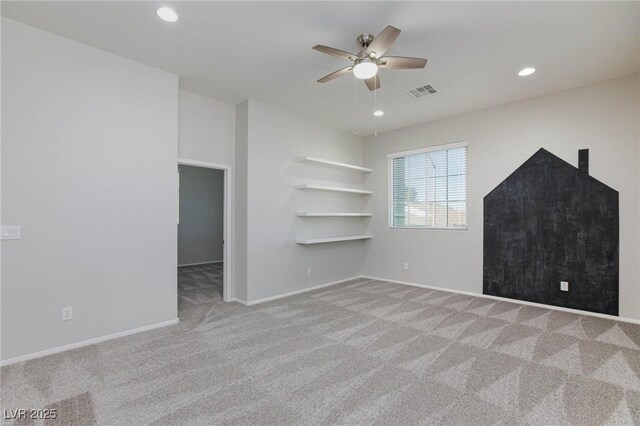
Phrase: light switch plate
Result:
[564,285]
[11,232]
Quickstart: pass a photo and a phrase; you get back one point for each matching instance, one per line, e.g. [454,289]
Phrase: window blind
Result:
[428,188]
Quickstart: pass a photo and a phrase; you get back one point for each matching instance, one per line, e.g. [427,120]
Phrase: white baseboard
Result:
[506,299]
[93,341]
[201,263]
[292,293]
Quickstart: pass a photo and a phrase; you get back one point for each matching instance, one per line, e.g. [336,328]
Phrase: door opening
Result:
[203,235]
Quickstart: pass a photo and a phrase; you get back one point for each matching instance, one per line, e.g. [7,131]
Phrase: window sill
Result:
[429,228]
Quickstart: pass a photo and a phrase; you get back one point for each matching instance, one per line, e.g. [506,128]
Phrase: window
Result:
[428,188]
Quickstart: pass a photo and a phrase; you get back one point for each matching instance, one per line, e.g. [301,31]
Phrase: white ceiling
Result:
[262,50]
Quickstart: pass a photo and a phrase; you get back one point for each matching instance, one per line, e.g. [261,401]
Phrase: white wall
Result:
[240,200]
[603,118]
[89,144]
[275,263]
[200,231]
[207,129]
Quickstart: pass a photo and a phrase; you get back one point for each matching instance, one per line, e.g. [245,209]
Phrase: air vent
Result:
[422,91]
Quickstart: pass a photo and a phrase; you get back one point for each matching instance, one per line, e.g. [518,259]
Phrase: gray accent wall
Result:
[200,231]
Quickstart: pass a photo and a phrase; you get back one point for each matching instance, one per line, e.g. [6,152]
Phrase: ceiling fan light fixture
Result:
[365,69]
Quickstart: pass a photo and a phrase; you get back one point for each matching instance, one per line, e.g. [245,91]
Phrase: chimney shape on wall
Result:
[583,160]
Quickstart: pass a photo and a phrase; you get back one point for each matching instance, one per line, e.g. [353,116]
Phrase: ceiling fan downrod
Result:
[364,40]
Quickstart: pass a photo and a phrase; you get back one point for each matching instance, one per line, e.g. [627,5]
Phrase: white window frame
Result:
[421,151]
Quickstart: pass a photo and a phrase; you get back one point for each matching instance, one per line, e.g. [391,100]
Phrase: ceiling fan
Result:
[369,59]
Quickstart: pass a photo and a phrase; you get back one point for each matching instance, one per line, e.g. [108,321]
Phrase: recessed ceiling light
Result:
[526,71]
[167,14]
[378,113]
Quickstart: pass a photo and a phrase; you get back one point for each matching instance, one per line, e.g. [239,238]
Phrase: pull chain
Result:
[355,104]
[375,106]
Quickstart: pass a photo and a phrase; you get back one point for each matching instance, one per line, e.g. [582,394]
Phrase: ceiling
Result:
[262,50]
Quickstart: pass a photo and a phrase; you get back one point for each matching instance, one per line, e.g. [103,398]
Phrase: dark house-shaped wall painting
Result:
[550,222]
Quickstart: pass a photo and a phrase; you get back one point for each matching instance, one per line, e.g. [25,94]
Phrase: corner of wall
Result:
[241,179]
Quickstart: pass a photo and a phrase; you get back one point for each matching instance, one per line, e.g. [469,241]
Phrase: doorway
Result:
[204,204]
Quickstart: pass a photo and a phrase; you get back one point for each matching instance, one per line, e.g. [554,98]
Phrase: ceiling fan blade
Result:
[335,52]
[373,83]
[383,41]
[402,63]
[335,74]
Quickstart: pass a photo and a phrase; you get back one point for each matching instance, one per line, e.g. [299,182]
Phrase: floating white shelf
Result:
[309,214]
[334,188]
[334,239]
[334,164]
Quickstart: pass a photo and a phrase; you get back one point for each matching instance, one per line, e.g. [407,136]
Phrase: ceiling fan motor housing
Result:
[365,40]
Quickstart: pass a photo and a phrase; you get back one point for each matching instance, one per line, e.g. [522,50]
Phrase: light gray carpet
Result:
[356,353]
[198,284]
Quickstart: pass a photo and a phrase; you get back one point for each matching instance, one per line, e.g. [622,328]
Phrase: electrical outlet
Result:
[405,266]
[309,270]
[564,285]
[67,314]
[10,232]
